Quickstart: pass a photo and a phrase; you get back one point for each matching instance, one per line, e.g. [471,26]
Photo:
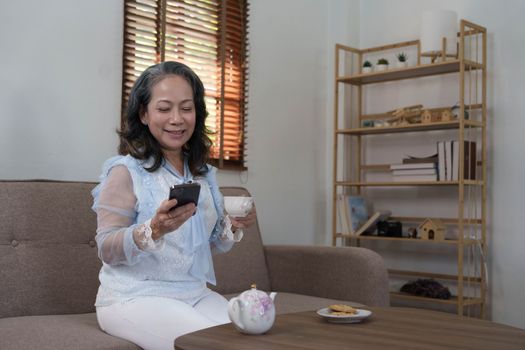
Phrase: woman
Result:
[157,258]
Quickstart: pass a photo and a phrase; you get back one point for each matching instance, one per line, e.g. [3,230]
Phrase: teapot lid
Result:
[253,291]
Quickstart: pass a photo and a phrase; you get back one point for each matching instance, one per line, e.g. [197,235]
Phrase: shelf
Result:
[424,70]
[446,221]
[452,301]
[406,239]
[468,107]
[407,183]
[432,275]
[408,128]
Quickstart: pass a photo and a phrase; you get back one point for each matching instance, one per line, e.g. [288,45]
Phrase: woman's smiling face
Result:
[170,114]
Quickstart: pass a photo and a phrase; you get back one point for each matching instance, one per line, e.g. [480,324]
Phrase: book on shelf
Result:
[448,160]
[442,170]
[357,212]
[370,224]
[428,159]
[415,178]
[353,215]
[352,212]
[414,172]
[342,214]
[404,172]
[413,166]
[469,160]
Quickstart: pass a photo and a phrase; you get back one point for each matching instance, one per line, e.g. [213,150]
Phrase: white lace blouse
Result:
[128,196]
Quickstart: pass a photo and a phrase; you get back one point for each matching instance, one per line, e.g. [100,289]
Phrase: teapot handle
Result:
[234,311]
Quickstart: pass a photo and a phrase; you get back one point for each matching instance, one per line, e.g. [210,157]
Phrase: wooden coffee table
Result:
[387,329]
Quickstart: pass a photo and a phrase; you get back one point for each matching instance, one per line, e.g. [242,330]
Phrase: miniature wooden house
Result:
[446,115]
[432,229]
[426,117]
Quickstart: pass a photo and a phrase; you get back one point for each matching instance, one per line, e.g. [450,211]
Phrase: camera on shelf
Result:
[389,228]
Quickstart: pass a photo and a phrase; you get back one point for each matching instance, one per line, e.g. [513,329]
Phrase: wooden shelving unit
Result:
[350,167]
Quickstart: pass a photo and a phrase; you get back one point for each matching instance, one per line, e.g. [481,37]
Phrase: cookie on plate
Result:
[342,309]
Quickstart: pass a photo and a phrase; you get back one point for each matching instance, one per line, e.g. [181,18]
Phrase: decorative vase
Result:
[381,67]
[367,69]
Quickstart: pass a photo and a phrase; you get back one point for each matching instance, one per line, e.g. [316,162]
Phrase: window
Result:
[210,36]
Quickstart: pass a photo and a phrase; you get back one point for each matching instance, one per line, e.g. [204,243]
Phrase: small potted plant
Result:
[402,60]
[367,67]
[382,64]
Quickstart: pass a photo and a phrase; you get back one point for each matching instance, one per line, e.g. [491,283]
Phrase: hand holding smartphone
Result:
[185,193]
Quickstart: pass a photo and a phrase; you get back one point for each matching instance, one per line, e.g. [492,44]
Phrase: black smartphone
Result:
[185,193]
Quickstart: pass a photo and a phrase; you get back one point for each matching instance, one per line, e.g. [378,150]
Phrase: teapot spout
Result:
[272,295]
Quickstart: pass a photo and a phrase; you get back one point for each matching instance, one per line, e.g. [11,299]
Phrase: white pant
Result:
[154,322]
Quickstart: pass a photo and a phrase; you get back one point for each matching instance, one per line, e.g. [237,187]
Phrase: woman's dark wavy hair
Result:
[135,137]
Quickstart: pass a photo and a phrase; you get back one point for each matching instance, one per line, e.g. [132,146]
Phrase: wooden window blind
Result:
[210,36]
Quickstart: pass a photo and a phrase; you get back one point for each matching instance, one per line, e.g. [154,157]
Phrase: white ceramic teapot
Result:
[253,311]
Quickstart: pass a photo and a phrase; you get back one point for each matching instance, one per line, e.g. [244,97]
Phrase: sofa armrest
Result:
[344,273]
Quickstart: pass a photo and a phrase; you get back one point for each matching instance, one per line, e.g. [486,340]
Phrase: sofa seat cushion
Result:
[290,302]
[78,331]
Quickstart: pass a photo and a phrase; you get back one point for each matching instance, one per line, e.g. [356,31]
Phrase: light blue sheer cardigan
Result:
[182,268]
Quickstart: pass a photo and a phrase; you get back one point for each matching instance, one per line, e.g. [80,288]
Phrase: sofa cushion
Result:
[57,332]
[47,248]
[245,263]
[290,302]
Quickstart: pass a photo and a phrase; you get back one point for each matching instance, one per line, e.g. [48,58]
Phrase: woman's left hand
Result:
[244,222]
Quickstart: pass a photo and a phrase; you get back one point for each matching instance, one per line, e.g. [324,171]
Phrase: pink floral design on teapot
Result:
[253,311]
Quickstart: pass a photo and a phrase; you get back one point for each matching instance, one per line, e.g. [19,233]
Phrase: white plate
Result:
[355,318]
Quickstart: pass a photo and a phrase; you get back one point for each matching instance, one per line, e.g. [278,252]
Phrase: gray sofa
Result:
[49,269]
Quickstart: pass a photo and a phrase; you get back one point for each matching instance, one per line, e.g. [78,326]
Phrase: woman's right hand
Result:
[167,219]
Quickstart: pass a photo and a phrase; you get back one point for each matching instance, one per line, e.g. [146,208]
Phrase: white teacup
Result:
[237,206]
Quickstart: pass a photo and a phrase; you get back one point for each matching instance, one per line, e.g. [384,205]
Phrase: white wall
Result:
[289,142]
[60,68]
[60,105]
[384,21]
